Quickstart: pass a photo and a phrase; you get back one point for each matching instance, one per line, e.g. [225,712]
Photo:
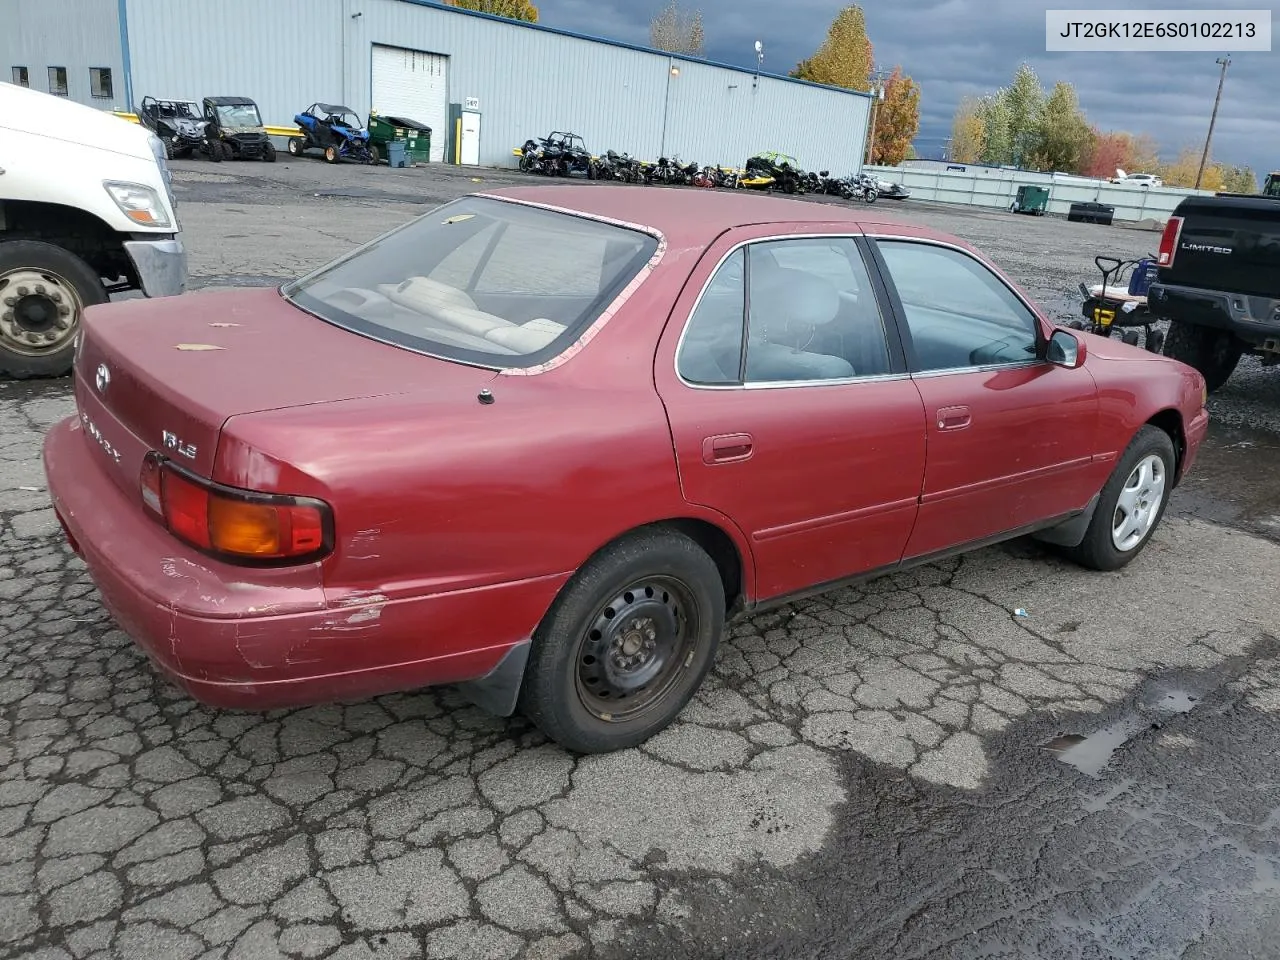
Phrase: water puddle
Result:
[1091,753]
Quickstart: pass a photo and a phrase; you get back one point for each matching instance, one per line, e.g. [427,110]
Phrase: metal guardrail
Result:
[271,131]
[994,188]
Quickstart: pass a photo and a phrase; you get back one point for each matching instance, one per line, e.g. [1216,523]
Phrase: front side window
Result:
[58,81]
[20,77]
[959,314]
[100,82]
[480,281]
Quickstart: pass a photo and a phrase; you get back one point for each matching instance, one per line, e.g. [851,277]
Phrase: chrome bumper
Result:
[161,265]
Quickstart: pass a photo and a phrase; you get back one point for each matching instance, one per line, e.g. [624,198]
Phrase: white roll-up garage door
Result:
[413,85]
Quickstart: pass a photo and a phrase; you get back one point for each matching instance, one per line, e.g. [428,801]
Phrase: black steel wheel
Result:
[634,649]
[626,644]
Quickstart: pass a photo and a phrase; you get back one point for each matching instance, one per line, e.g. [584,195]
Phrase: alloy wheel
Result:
[1139,503]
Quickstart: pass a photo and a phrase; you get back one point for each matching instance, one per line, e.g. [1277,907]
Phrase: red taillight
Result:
[1169,241]
[233,524]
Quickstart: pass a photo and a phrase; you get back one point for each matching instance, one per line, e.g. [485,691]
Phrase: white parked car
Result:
[1140,179]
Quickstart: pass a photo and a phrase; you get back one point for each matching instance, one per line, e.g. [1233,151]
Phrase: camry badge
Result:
[102,378]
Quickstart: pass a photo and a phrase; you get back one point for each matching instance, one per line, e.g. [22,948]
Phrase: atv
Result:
[235,124]
[178,125]
[334,129]
[773,171]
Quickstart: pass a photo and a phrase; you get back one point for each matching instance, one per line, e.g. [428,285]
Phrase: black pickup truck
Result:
[1218,281]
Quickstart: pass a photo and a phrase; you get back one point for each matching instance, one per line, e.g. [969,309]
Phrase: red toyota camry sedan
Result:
[542,443]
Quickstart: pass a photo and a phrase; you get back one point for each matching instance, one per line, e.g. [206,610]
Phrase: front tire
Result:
[1214,353]
[1131,505]
[331,154]
[626,644]
[269,152]
[43,293]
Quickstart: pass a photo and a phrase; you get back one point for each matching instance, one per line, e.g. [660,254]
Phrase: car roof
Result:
[694,218]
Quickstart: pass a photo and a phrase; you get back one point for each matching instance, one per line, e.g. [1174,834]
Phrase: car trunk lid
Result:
[1226,243]
[166,374]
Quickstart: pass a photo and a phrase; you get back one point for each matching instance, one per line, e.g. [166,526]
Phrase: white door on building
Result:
[413,85]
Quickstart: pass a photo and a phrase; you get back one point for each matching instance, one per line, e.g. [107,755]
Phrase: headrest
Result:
[782,295]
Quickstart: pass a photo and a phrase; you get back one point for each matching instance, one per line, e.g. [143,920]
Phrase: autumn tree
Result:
[1024,102]
[897,119]
[845,57]
[1182,172]
[1239,180]
[676,31]
[1111,151]
[1063,139]
[997,130]
[968,135]
[512,9]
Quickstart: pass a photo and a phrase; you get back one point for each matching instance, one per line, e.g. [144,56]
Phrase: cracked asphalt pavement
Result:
[999,755]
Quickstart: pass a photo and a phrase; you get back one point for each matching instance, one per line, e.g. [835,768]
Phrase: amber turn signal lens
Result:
[247,528]
[235,524]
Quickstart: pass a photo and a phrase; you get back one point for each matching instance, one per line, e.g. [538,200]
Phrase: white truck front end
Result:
[86,209]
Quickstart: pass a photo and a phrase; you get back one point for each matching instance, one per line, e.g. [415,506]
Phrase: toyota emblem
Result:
[102,378]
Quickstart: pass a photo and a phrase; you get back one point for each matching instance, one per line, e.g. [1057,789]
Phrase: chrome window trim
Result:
[977,368]
[778,384]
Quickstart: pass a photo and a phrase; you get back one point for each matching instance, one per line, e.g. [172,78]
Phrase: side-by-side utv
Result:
[236,126]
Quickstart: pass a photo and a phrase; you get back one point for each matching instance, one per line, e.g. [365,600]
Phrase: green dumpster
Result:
[1032,200]
[415,136]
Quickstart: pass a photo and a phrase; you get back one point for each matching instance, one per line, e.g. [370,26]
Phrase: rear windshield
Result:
[480,281]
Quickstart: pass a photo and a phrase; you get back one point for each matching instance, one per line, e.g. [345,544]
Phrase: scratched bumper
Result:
[230,640]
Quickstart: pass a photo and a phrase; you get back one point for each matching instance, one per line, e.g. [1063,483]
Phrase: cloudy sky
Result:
[958,47]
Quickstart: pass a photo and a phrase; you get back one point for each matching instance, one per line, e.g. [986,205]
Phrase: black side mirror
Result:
[1065,349]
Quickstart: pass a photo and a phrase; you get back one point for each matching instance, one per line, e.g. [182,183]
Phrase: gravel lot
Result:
[908,769]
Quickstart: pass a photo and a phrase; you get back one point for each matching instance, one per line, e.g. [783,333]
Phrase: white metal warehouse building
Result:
[413,58]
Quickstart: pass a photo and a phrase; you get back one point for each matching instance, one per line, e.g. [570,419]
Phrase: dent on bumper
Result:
[231,639]
[161,265]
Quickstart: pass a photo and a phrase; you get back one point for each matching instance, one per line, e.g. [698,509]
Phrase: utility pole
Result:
[1204,158]
[877,94]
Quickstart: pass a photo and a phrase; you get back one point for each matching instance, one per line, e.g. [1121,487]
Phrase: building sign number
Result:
[472,103]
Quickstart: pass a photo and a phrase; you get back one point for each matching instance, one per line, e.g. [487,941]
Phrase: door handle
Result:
[727,448]
[953,418]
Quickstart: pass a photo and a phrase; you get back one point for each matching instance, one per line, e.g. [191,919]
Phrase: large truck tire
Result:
[44,291]
[1214,353]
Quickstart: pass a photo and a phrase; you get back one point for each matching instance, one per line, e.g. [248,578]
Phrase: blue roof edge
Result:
[636,47]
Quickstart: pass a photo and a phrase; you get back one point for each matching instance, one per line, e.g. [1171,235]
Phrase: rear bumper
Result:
[233,641]
[161,265]
[1255,320]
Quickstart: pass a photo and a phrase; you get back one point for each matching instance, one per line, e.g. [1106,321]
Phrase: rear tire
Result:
[68,283]
[626,644]
[295,147]
[1131,504]
[1214,353]
[331,154]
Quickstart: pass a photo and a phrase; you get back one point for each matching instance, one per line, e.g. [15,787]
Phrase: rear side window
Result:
[480,281]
